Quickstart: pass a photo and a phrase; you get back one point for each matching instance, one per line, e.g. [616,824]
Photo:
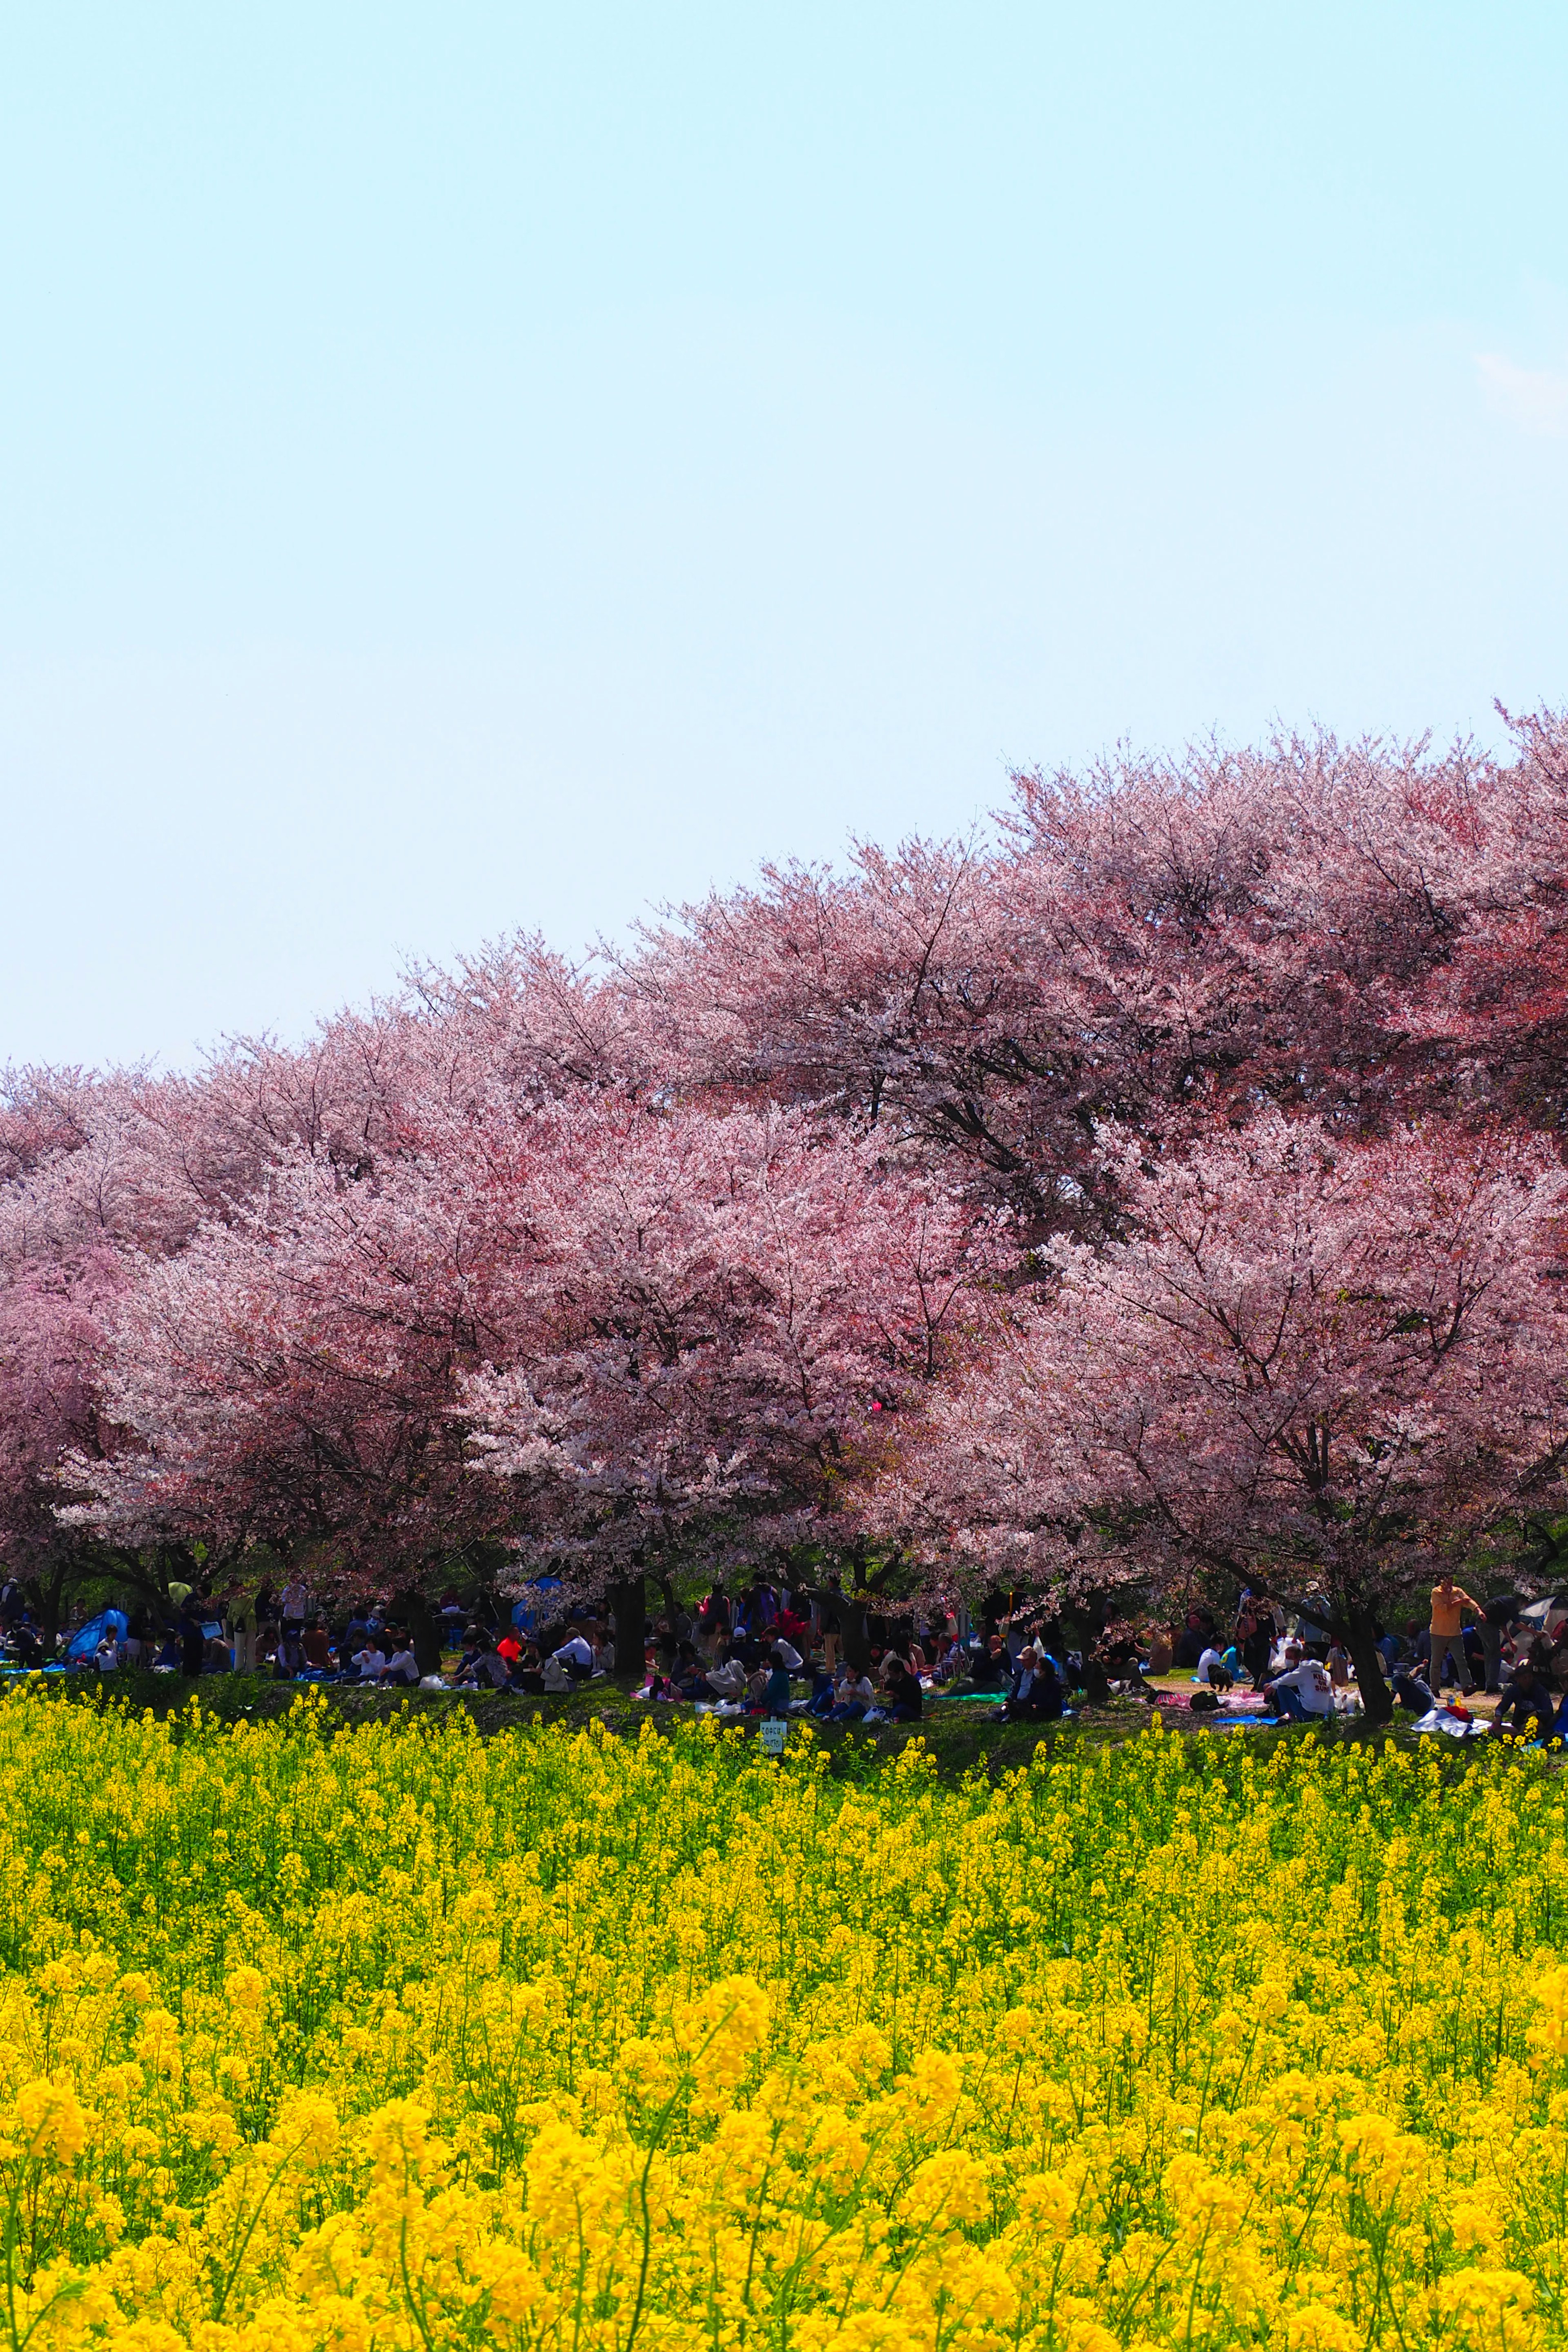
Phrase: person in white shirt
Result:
[788,1656]
[402,1667]
[728,1680]
[294,1600]
[106,1658]
[851,1697]
[576,1654]
[370,1661]
[1212,1670]
[1303,1690]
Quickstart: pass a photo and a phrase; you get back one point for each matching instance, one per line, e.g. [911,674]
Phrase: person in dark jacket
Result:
[1497,1615]
[989,1671]
[1410,1692]
[1527,1707]
[1037,1693]
[1192,1641]
[906,1700]
[776,1693]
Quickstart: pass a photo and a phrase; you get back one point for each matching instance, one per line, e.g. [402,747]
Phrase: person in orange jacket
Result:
[1449,1601]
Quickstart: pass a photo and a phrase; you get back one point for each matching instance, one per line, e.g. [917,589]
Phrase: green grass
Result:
[962,1739]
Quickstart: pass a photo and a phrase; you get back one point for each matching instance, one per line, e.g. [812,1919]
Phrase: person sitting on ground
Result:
[687,1679]
[317,1646]
[527,1672]
[820,1702]
[354,1637]
[106,1658]
[401,1671]
[782,1647]
[948,1660]
[1162,1651]
[1302,1690]
[474,1648]
[906,1701]
[728,1679]
[481,1665]
[775,1698]
[1411,1692]
[1212,1670]
[1527,1708]
[988,1671]
[26,1645]
[369,1660]
[1037,1693]
[852,1694]
[289,1661]
[575,1655]
[1339,1665]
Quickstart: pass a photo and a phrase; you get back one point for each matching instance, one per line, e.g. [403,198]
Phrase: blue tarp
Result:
[527,1614]
[82,1645]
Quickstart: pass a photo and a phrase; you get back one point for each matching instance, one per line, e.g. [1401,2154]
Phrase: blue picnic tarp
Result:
[83,1644]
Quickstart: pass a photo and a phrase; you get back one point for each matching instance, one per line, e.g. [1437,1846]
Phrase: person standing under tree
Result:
[1449,1601]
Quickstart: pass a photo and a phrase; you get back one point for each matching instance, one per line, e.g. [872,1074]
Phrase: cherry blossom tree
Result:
[649,1327]
[612,1263]
[1492,1016]
[289,1378]
[715,1311]
[1155,944]
[1323,1368]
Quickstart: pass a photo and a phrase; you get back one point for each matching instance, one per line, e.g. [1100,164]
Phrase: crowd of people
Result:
[767,1650]
[763,1649]
[1460,1644]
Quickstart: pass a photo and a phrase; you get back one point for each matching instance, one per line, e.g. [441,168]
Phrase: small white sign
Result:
[772,1735]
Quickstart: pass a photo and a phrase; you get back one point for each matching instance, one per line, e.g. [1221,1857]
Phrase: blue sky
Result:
[465,468]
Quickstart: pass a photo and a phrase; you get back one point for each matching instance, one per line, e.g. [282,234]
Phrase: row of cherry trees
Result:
[1168,1186]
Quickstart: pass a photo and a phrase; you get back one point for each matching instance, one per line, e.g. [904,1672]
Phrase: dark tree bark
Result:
[628,1597]
[49,1589]
[1354,1625]
[412,1610]
[1360,1638]
[854,1633]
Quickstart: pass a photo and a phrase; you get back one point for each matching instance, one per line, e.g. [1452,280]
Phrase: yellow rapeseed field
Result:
[397,2038]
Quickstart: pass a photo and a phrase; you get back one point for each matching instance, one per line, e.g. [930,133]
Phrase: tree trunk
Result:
[1361,1641]
[1097,1687]
[412,1610]
[51,1592]
[854,1638]
[628,1597]
[681,1624]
